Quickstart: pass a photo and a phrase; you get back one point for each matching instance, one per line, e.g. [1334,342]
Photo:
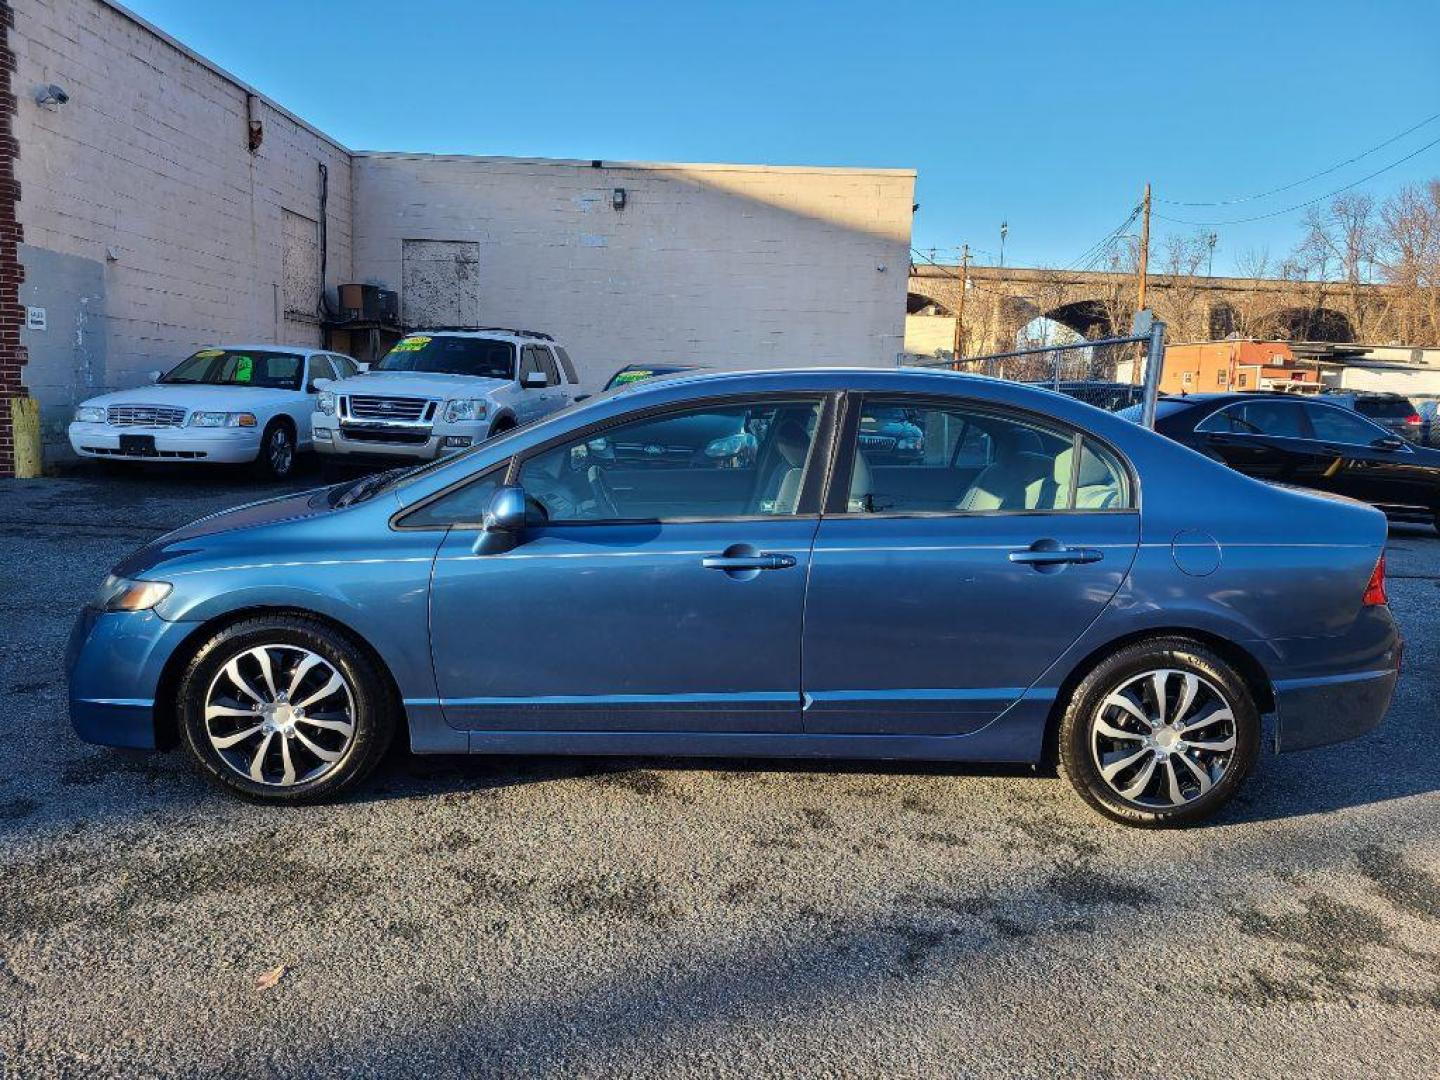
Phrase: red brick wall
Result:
[12,315]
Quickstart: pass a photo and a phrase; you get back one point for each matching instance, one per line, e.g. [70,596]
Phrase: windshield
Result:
[1163,408]
[239,367]
[626,376]
[483,358]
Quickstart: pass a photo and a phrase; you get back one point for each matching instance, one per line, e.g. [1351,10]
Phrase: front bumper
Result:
[348,439]
[114,660]
[226,445]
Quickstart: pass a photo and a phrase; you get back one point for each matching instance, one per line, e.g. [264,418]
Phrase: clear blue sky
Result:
[1050,115]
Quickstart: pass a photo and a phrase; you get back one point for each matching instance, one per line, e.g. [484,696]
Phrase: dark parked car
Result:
[1394,412]
[1310,442]
[1001,598]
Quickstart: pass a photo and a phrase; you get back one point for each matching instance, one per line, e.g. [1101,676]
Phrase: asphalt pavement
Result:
[586,917]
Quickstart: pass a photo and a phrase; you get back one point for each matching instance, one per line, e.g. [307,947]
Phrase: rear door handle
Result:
[1052,556]
[763,561]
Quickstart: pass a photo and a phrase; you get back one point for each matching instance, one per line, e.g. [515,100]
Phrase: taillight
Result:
[1413,418]
[1375,591]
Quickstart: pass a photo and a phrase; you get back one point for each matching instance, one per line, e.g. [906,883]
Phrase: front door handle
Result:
[762,561]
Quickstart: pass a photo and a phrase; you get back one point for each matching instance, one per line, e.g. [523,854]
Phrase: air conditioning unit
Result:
[369,303]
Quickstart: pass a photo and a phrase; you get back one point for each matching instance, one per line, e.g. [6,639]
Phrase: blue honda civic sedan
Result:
[714,564]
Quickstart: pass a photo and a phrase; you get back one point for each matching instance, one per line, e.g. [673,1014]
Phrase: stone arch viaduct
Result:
[1000,301]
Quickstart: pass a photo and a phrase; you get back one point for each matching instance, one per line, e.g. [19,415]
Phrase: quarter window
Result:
[548,363]
[566,363]
[716,461]
[462,506]
[954,458]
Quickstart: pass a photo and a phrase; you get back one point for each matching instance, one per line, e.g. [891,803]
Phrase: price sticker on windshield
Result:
[208,354]
[244,369]
[411,344]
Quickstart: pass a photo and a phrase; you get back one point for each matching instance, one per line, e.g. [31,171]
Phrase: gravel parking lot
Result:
[583,916]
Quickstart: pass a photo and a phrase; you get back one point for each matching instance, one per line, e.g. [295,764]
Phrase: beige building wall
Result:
[925,335]
[150,228]
[727,266]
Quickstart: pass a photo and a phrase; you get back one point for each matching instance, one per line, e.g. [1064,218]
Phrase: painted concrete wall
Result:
[141,190]
[719,265]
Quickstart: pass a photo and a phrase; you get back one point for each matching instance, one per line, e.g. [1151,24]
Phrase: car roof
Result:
[272,346]
[497,333]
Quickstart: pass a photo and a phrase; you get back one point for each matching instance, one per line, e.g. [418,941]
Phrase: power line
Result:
[1307,202]
[1312,176]
[1098,249]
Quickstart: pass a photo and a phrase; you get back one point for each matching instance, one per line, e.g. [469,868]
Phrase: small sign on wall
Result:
[34,318]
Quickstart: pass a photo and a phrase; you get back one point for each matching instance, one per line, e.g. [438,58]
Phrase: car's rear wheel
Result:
[1160,734]
[284,709]
[277,451]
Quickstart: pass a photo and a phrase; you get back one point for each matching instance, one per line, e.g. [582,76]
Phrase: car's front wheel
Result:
[1162,733]
[277,451]
[284,709]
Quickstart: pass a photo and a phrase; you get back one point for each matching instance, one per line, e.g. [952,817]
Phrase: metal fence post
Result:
[1154,362]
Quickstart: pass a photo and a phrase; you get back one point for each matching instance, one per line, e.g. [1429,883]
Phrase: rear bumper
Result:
[229,445]
[114,661]
[1333,689]
[1330,709]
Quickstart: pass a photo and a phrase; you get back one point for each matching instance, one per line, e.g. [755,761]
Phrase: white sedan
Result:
[225,403]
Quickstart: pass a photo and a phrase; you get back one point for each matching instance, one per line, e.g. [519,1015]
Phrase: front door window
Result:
[727,460]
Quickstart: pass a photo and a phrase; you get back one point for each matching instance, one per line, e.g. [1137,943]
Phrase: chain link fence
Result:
[1110,373]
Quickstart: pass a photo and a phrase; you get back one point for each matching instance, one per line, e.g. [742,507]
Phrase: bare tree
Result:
[1410,260]
[1340,253]
[1181,302]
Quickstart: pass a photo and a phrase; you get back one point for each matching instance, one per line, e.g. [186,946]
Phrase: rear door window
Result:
[932,457]
[1342,426]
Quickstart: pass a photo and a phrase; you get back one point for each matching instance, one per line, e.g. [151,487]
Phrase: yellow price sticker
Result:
[411,344]
[208,353]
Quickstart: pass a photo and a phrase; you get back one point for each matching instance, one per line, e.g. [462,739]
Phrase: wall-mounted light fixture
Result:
[617,198]
[51,95]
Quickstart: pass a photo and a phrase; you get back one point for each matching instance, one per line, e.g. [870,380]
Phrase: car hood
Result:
[181,396]
[188,538]
[416,384]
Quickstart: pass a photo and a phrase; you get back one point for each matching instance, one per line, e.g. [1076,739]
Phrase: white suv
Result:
[439,391]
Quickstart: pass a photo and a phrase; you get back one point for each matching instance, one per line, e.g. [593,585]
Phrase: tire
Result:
[276,459]
[1203,755]
[275,752]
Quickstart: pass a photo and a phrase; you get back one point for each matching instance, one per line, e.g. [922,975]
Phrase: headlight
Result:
[222,419]
[89,414]
[125,594]
[465,409]
[325,402]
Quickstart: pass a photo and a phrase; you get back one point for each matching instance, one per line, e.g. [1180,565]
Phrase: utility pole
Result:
[1004,232]
[1144,250]
[960,306]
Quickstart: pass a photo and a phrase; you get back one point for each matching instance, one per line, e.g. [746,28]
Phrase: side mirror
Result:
[1389,442]
[534,380]
[504,521]
[316,385]
[154,376]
